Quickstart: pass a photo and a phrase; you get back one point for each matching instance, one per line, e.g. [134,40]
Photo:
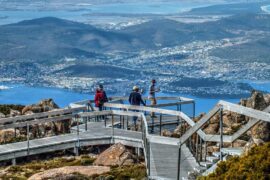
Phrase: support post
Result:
[179,162]
[221,132]
[13,161]
[197,146]
[178,118]
[205,150]
[200,148]
[160,124]
[194,113]
[113,127]
[78,137]
[152,128]
[28,142]
[85,121]
[148,155]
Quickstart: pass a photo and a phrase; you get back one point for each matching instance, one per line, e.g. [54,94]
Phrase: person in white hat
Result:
[135,99]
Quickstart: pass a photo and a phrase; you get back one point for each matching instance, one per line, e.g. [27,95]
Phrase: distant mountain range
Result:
[51,38]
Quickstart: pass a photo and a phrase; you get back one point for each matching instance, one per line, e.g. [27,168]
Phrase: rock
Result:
[227,131]
[14,113]
[261,131]
[43,106]
[6,135]
[239,143]
[2,115]
[166,133]
[211,149]
[68,172]
[256,101]
[252,143]
[117,154]
[267,99]
[28,113]
[212,128]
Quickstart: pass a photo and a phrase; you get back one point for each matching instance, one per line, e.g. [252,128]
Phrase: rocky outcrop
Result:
[7,135]
[116,155]
[70,172]
[43,106]
[233,121]
[2,115]
[262,130]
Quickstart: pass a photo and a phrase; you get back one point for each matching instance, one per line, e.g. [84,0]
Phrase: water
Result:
[266,8]
[13,16]
[25,95]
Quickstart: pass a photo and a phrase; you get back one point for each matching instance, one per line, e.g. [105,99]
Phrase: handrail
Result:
[40,115]
[144,128]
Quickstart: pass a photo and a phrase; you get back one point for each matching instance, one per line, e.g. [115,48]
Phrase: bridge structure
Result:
[165,157]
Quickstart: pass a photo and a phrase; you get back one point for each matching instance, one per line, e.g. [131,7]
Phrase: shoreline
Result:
[266,9]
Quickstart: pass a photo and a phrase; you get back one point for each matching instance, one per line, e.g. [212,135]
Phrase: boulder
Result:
[70,172]
[267,99]
[256,101]
[261,131]
[2,115]
[212,128]
[166,133]
[14,113]
[42,106]
[6,135]
[117,154]
[239,143]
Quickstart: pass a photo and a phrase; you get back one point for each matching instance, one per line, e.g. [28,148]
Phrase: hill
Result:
[50,38]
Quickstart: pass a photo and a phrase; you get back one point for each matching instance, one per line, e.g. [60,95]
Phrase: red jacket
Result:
[98,96]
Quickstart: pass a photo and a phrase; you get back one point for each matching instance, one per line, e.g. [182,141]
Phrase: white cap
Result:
[135,88]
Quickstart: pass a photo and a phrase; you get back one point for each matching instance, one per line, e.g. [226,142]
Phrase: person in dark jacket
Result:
[135,98]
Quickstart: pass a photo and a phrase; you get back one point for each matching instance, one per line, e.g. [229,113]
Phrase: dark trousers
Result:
[135,118]
[100,108]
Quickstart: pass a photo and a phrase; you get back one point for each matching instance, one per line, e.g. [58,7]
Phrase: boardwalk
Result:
[164,151]
[163,160]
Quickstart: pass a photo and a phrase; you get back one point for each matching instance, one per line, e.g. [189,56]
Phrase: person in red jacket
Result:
[100,99]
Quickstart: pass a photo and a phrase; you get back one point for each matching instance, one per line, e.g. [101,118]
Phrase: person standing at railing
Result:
[100,99]
[152,95]
[135,98]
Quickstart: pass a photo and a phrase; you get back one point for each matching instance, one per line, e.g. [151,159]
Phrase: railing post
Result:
[152,128]
[179,162]
[178,118]
[205,150]
[78,136]
[194,113]
[221,132]
[160,124]
[197,146]
[28,142]
[148,159]
[200,148]
[113,127]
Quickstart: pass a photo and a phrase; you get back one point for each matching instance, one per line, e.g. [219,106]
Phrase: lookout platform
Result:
[165,157]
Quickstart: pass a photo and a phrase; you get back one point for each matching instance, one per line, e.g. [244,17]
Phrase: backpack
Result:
[102,100]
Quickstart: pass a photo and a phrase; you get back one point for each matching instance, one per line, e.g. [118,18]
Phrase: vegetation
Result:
[137,172]
[5,108]
[254,165]
[23,172]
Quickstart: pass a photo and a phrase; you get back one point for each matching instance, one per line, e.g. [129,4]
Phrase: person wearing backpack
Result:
[135,99]
[100,99]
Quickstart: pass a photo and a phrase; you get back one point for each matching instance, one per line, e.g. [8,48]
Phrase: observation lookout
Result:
[165,157]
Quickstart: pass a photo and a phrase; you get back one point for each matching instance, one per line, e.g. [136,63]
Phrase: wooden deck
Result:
[164,151]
